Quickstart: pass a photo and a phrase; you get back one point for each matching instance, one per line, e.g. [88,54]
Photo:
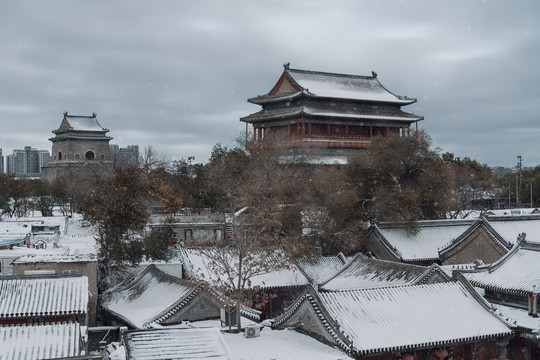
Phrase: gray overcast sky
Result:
[176,74]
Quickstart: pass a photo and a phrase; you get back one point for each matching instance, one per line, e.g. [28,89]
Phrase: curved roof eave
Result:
[401,100]
[264,99]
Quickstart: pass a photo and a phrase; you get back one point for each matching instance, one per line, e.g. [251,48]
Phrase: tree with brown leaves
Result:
[117,205]
[403,180]
[263,192]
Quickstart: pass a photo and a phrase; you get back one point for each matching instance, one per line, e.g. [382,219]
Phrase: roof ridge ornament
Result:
[374,74]
[286,65]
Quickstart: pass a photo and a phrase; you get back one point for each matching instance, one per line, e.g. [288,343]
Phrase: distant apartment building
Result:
[501,172]
[1,162]
[125,156]
[27,162]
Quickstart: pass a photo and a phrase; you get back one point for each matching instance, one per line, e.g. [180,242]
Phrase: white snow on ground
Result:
[280,345]
[275,344]
[270,345]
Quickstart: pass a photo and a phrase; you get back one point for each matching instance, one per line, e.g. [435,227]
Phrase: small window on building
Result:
[89,155]
[59,156]
[77,156]
[101,157]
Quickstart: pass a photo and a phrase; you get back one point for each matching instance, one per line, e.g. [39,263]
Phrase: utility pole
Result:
[519,167]
[509,195]
[531,193]
[518,179]
[190,159]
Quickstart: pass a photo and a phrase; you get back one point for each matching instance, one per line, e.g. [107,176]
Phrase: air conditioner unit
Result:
[252,331]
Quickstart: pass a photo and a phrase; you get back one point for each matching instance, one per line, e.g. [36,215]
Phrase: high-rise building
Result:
[1,162]
[125,156]
[27,162]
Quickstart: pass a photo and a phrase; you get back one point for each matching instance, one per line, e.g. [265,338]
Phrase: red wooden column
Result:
[346,131]
[289,130]
[371,131]
[328,130]
[303,127]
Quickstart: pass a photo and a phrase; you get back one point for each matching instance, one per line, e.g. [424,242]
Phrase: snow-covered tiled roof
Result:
[157,344]
[195,264]
[147,297]
[416,315]
[497,239]
[23,296]
[510,229]
[55,259]
[517,272]
[354,114]
[320,268]
[14,228]
[396,115]
[521,212]
[17,251]
[353,87]
[362,272]
[379,320]
[425,244]
[23,225]
[83,123]
[40,341]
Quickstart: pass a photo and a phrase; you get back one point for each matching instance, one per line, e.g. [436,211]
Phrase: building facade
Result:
[1,162]
[80,146]
[128,156]
[27,162]
[335,113]
[61,265]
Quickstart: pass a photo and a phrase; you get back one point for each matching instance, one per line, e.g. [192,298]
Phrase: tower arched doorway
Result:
[89,155]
